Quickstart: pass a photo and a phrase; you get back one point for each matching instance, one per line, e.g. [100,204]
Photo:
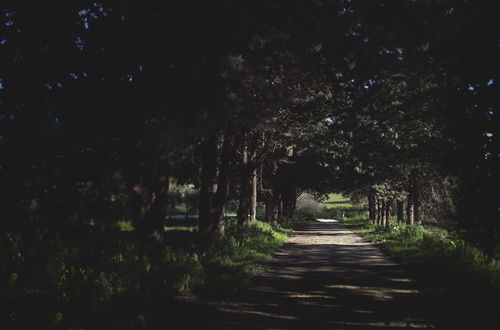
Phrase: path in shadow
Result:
[324,277]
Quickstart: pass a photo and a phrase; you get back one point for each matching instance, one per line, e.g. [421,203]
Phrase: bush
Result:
[234,258]
[308,203]
[406,233]
[181,270]
[91,276]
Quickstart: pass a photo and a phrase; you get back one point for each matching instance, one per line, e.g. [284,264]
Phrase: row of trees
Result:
[105,103]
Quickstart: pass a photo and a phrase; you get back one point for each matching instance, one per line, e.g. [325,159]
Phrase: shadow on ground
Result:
[325,277]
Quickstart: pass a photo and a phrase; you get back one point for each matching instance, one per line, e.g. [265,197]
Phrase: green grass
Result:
[442,251]
[235,258]
[454,276]
[335,201]
[170,225]
[189,224]
[108,271]
[229,264]
[126,225]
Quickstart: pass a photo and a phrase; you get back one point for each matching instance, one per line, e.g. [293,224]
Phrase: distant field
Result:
[337,201]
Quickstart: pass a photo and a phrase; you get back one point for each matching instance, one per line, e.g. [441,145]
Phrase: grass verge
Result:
[457,278]
[236,257]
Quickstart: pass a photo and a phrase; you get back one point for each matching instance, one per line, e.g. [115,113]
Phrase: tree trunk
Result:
[416,200]
[244,202]
[219,204]
[379,211]
[384,214]
[253,165]
[409,210]
[214,189]
[276,204]
[220,198]
[413,206]
[269,206]
[276,199]
[208,186]
[371,205]
[388,205]
[149,201]
[253,195]
[141,200]
[267,195]
[288,198]
[400,210]
[159,208]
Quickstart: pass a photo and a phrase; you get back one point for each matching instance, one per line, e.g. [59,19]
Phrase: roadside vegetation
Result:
[141,140]
[83,282]
[457,277]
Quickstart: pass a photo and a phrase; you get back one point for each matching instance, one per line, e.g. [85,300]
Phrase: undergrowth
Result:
[416,244]
[234,258]
[459,279]
[107,280]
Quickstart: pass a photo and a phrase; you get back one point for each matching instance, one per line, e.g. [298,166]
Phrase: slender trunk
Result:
[149,200]
[269,207]
[412,208]
[379,209]
[159,208]
[208,186]
[253,195]
[220,197]
[141,201]
[383,215]
[416,201]
[161,198]
[276,199]
[253,165]
[219,204]
[244,202]
[400,211]
[267,195]
[287,197]
[371,205]
[409,210]
[388,213]
[290,206]
[284,204]
[276,204]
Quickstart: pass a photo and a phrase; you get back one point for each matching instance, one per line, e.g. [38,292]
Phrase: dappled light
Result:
[328,281]
[235,164]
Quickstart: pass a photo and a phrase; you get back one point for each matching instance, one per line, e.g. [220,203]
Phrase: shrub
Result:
[88,277]
[181,270]
[308,203]
[406,233]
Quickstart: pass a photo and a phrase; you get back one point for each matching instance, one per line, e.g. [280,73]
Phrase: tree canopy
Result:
[106,105]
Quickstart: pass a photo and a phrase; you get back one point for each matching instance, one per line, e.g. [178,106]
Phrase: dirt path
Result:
[324,277]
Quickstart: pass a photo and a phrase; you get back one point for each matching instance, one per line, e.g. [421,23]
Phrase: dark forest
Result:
[155,155]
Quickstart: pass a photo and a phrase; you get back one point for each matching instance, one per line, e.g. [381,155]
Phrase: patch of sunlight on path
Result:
[325,277]
[327,220]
